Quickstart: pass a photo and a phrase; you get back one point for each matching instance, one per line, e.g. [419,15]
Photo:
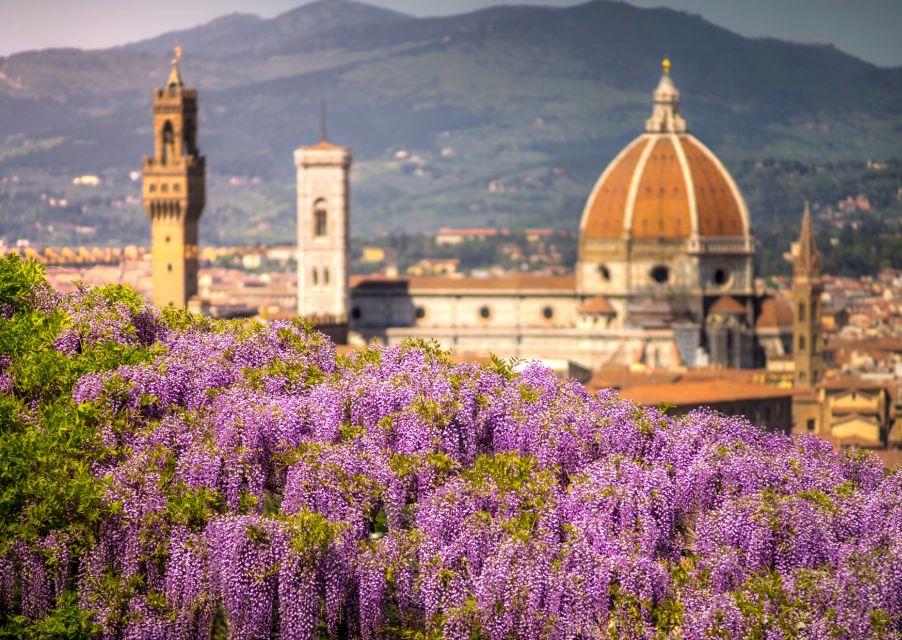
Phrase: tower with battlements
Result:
[174,192]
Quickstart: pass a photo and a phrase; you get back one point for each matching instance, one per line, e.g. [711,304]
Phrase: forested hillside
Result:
[534,100]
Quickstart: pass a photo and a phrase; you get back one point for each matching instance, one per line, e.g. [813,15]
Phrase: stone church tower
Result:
[323,229]
[806,293]
[174,192]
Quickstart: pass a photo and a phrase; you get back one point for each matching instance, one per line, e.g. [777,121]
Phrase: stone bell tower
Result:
[323,230]
[174,192]
[807,287]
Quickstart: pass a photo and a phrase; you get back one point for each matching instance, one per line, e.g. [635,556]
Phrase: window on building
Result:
[420,313]
[325,276]
[660,274]
[315,277]
[802,344]
[809,424]
[168,136]
[548,313]
[320,219]
[721,277]
[485,313]
[604,273]
[801,312]
[356,313]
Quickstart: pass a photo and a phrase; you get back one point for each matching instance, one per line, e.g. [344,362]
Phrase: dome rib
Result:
[721,208]
[606,207]
[690,184]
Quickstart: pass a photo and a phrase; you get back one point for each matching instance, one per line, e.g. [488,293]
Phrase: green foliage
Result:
[66,622]
[19,279]
[47,443]
[310,534]
[194,507]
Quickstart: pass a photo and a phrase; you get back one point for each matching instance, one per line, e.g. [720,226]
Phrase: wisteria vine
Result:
[247,480]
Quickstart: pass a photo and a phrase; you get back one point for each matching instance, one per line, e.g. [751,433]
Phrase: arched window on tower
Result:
[315,277]
[168,142]
[320,218]
[326,276]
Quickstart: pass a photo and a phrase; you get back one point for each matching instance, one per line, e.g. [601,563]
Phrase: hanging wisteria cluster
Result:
[244,480]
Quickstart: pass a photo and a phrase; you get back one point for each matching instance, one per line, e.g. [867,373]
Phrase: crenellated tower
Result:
[807,286]
[174,192]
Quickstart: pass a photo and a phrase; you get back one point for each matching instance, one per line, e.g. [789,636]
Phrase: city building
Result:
[174,192]
[323,220]
[664,275]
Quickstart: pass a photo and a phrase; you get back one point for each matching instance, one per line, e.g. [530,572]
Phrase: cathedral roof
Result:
[701,393]
[775,314]
[726,304]
[437,284]
[598,305]
[665,184]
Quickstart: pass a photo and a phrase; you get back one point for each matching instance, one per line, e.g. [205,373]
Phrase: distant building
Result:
[174,192]
[664,275]
[454,237]
[322,231]
[763,405]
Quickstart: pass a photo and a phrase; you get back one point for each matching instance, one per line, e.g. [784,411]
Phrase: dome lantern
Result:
[665,117]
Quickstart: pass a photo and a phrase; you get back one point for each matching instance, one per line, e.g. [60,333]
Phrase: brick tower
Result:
[323,226]
[174,192]
[807,287]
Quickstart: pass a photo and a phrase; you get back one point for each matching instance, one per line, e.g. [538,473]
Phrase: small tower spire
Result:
[807,287]
[665,116]
[808,260]
[175,78]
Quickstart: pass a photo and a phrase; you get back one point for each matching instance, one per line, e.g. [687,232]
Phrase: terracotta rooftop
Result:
[624,378]
[599,305]
[324,145]
[775,314]
[670,185]
[701,393]
[852,382]
[727,304]
[518,283]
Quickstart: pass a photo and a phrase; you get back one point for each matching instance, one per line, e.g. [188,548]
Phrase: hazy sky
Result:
[869,29]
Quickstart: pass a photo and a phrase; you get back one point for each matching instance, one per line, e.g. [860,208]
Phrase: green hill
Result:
[537,99]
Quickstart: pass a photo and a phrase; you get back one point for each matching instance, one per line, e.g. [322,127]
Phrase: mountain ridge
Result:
[517,96]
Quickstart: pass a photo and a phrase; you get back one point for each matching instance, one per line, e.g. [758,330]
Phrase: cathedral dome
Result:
[665,184]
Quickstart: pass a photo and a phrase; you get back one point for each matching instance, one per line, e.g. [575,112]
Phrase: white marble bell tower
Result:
[323,217]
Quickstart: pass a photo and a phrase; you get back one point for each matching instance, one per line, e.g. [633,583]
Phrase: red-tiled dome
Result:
[665,184]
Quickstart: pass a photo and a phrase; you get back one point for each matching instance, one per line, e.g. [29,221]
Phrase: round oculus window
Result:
[604,273]
[721,276]
[420,313]
[485,313]
[548,313]
[660,274]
